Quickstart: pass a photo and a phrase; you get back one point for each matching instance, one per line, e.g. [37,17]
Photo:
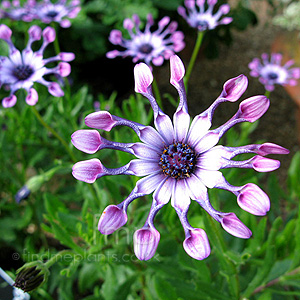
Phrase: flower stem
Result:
[267,94]
[63,142]
[194,56]
[58,256]
[157,93]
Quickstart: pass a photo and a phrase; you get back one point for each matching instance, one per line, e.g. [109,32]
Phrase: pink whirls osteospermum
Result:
[180,161]
[201,19]
[21,69]
[148,46]
[14,11]
[271,72]
[49,12]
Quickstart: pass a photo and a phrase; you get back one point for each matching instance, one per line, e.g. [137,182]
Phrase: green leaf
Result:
[164,289]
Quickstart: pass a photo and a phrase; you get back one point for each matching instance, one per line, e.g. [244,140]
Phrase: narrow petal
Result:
[164,126]
[151,137]
[181,125]
[145,152]
[196,244]
[206,142]
[234,226]
[209,178]
[142,167]
[148,184]
[197,190]
[253,200]
[198,129]
[112,219]
[87,170]
[86,140]
[211,159]
[145,242]
[163,192]
[180,196]
[5,32]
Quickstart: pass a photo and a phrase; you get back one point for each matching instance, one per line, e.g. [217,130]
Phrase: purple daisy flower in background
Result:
[21,69]
[14,11]
[49,12]
[201,19]
[180,161]
[148,46]
[272,72]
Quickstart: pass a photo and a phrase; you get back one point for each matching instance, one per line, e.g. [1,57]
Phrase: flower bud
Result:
[196,244]
[145,241]
[31,276]
[234,226]
[112,219]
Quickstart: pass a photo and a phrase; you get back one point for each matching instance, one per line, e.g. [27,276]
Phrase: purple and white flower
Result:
[179,161]
[21,69]
[271,72]
[150,47]
[15,11]
[197,17]
[58,12]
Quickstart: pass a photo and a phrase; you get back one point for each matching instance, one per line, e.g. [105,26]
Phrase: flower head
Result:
[272,72]
[150,47]
[14,11]
[197,17]
[179,161]
[21,69]
[48,12]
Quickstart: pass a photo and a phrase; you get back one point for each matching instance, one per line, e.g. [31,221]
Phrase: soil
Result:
[278,125]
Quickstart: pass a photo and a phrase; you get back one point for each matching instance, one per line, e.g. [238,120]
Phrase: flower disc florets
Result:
[179,161]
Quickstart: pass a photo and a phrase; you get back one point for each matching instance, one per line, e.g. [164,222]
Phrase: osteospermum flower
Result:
[204,19]
[15,11]
[21,69]
[148,46]
[272,72]
[180,161]
[57,12]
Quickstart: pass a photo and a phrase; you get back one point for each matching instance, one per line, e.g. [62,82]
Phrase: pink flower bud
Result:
[100,120]
[87,170]
[32,97]
[253,200]
[253,108]
[177,70]
[111,219]
[196,244]
[143,78]
[234,226]
[145,241]
[49,34]
[86,140]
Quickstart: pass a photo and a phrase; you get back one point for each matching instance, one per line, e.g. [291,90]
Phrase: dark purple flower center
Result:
[52,14]
[22,72]
[202,24]
[146,48]
[272,76]
[178,160]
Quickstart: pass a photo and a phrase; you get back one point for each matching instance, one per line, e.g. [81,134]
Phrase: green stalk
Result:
[157,93]
[267,94]
[193,57]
